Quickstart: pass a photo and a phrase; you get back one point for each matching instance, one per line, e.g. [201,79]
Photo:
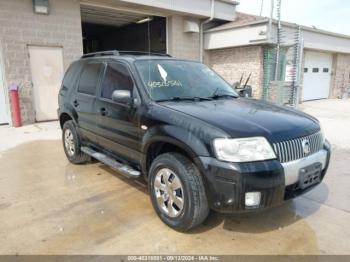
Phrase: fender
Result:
[69,110]
[176,136]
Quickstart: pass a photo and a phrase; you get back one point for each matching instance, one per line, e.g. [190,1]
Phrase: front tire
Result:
[177,191]
[72,144]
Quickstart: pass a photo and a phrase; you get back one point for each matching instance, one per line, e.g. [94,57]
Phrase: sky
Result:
[331,15]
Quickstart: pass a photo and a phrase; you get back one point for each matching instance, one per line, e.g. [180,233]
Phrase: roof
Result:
[242,20]
[248,19]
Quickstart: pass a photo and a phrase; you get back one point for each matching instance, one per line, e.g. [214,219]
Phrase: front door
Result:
[118,125]
[46,65]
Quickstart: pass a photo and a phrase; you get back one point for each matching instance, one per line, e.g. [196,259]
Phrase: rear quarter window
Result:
[70,76]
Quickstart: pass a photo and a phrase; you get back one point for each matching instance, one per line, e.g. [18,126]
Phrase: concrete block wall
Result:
[231,63]
[341,75]
[180,44]
[20,27]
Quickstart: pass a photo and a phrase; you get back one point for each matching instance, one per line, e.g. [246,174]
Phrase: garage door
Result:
[317,75]
[46,64]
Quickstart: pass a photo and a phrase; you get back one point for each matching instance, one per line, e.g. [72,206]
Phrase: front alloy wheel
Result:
[169,192]
[177,191]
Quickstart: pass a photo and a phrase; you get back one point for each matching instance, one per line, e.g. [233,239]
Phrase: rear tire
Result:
[188,203]
[71,144]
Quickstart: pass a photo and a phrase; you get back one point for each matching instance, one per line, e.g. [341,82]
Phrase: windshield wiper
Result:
[183,98]
[223,95]
[216,95]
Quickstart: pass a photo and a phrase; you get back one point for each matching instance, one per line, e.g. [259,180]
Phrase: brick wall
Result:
[230,63]
[341,75]
[180,44]
[20,27]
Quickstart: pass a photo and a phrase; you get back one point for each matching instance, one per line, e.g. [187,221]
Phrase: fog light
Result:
[252,199]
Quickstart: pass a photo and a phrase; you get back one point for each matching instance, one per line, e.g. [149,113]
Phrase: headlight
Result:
[243,149]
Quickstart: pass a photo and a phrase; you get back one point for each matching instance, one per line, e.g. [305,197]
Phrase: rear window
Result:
[89,78]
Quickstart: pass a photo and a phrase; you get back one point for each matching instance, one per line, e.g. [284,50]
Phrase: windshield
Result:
[173,79]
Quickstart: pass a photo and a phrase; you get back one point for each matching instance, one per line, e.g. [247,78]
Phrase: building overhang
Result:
[224,9]
[256,33]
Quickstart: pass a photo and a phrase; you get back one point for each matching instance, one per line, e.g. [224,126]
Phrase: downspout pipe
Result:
[201,36]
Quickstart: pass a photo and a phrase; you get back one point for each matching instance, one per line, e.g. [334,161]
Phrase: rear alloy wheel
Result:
[72,144]
[177,191]
[69,142]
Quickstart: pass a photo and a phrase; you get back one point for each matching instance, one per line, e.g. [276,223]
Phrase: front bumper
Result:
[226,183]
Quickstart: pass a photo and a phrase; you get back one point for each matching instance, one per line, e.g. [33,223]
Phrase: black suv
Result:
[185,130]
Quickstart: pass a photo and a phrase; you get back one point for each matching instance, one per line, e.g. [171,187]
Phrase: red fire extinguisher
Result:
[15,108]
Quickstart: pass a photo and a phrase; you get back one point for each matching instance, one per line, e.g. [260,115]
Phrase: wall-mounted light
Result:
[144,20]
[41,7]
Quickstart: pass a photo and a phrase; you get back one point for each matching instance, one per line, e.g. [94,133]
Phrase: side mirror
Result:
[245,92]
[122,96]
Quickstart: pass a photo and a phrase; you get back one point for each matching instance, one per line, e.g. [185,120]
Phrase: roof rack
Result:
[142,53]
[103,53]
[118,53]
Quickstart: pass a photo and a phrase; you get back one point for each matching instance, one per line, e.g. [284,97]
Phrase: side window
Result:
[89,78]
[117,77]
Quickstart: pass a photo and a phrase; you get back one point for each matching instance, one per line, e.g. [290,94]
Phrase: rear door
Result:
[118,124]
[84,99]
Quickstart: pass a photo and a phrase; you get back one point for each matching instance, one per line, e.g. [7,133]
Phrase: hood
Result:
[248,117]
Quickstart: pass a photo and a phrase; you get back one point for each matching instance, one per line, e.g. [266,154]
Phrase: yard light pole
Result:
[270,21]
[279,32]
[261,7]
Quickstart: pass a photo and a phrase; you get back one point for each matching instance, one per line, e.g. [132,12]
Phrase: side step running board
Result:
[112,163]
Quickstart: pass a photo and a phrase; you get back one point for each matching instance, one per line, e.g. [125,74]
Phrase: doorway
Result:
[46,65]
[112,29]
[4,119]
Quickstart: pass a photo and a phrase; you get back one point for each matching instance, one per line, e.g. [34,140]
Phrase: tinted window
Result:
[89,78]
[315,70]
[325,70]
[70,75]
[117,77]
[306,69]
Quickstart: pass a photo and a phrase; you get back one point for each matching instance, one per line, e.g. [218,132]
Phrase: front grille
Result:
[290,150]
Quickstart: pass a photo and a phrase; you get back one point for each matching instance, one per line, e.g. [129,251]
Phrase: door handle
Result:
[75,103]
[103,111]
